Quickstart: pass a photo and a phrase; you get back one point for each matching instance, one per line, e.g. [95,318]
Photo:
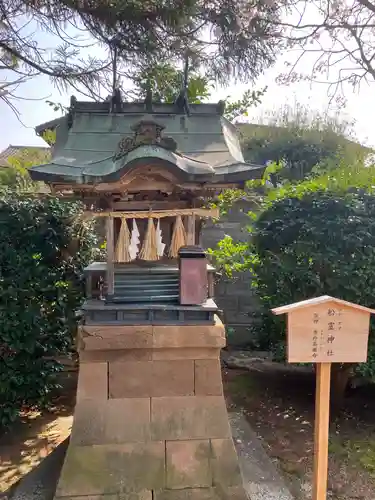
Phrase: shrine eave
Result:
[110,170]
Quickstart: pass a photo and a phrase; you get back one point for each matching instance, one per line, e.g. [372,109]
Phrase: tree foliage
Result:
[308,239]
[44,245]
[16,177]
[226,37]
[324,246]
[166,81]
[333,40]
[24,54]
[298,140]
[240,108]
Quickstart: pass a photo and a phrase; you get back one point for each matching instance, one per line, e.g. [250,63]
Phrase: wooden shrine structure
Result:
[150,419]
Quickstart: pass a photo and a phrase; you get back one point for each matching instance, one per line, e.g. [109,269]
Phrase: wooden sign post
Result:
[325,330]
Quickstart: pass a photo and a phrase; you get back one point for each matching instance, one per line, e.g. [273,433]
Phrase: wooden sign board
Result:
[326,330]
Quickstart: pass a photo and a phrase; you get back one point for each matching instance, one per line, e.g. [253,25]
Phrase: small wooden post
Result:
[321,432]
[325,330]
[191,230]
[110,256]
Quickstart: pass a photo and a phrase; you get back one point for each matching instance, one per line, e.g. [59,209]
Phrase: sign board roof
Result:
[326,330]
[319,300]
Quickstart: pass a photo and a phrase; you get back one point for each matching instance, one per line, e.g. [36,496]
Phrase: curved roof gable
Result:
[94,145]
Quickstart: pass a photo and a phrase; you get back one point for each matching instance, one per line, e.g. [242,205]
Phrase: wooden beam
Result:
[148,205]
[200,212]
[119,187]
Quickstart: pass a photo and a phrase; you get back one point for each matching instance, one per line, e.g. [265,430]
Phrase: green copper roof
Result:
[94,145]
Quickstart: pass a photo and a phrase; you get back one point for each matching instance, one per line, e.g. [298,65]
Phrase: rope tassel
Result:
[149,249]
[123,242]
[159,240]
[134,241]
[178,238]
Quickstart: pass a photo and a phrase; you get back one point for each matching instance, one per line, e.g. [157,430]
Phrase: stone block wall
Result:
[233,296]
[150,421]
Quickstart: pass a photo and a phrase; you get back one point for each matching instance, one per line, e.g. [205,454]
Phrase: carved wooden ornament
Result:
[146,133]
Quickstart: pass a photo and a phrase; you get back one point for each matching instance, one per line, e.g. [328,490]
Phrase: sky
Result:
[359,109]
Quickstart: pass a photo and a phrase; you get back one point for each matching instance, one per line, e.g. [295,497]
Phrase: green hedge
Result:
[44,246]
[304,243]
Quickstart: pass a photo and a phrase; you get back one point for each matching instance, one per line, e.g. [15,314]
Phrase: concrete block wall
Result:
[233,296]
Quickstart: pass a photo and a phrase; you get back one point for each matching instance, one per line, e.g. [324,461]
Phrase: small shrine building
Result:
[149,170]
[150,421]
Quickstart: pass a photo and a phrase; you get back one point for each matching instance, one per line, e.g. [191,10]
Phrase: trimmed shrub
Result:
[44,246]
[307,241]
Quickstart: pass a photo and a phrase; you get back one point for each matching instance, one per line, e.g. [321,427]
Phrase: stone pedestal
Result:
[150,420]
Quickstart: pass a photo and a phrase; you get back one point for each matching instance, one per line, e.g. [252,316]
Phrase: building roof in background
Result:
[14,150]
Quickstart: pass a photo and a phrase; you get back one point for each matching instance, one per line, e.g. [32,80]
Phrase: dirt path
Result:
[32,439]
[279,404]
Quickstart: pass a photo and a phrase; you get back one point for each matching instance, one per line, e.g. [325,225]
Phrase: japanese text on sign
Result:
[325,328]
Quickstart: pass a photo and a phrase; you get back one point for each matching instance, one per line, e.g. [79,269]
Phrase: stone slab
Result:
[107,337]
[130,379]
[228,303]
[112,337]
[111,355]
[189,417]
[208,380]
[248,303]
[151,378]
[112,469]
[225,468]
[186,353]
[131,495]
[188,464]
[231,493]
[172,378]
[114,421]
[112,331]
[262,480]
[189,336]
[93,381]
